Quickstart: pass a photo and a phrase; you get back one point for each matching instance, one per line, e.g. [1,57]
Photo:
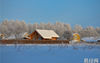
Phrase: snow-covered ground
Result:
[91,39]
[48,54]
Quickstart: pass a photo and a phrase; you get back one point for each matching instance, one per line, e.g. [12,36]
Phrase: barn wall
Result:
[35,36]
[54,38]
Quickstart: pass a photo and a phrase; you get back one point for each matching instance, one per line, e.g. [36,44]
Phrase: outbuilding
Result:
[76,37]
[1,36]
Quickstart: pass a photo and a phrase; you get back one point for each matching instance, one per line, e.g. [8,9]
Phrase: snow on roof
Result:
[25,34]
[47,33]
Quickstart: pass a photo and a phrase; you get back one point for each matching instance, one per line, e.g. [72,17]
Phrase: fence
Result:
[34,41]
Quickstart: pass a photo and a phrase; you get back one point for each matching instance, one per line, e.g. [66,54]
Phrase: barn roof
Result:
[47,33]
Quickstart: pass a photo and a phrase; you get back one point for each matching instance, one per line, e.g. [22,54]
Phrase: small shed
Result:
[1,36]
[76,37]
[43,35]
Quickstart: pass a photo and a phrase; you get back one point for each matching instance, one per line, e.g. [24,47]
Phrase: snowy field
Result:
[72,53]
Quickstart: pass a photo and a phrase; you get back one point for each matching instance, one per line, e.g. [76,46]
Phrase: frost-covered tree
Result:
[24,26]
[42,26]
[35,26]
[67,32]
[4,27]
[78,28]
[30,28]
[16,27]
[67,35]
[68,27]
[59,28]
[13,27]
[90,32]
[98,30]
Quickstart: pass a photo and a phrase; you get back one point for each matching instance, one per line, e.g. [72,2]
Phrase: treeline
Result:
[65,31]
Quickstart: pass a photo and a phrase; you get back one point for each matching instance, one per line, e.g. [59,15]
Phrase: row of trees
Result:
[65,31]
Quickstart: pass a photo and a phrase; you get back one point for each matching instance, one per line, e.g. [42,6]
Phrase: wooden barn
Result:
[43,35]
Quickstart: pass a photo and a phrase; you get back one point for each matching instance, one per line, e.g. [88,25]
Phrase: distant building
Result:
[1,36]
[43,35]
[76,37]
